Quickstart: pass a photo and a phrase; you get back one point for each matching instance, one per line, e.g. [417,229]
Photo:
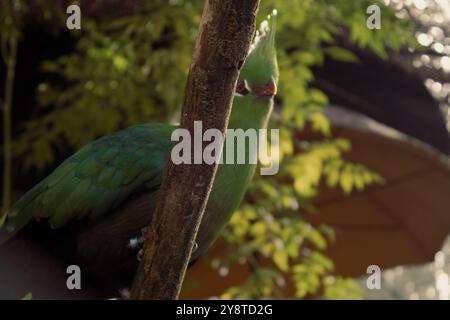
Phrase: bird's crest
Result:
[261,64]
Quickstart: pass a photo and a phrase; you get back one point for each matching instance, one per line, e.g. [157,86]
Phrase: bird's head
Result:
[257,82]
[259,75]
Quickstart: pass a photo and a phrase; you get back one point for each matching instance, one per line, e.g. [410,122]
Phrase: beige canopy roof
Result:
[401,222]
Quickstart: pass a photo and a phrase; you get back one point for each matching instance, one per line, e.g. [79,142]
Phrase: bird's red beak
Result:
[269,90]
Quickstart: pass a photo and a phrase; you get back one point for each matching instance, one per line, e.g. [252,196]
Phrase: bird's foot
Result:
[138,241]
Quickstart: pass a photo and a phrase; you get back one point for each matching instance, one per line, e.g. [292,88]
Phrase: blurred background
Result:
[364,120]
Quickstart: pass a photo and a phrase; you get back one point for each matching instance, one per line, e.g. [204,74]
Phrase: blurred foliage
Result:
[132,69]
[124,71]
[12,18]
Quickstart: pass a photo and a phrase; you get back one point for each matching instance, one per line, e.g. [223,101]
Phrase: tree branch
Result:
[225,33]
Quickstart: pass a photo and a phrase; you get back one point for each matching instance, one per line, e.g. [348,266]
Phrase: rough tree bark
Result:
[224,38]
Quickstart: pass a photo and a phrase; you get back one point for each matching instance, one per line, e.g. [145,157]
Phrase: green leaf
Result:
[341,54]
[281,260]
[346,181]
[320,123]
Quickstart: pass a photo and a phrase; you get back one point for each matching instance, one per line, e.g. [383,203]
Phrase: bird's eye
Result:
[242,87]
[269,90]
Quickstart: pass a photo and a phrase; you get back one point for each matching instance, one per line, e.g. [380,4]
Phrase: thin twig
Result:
[10,61]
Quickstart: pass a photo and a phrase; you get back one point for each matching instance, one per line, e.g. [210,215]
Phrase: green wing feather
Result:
[97,178]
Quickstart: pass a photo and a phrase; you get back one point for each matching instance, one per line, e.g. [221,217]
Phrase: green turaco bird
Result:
[101,198]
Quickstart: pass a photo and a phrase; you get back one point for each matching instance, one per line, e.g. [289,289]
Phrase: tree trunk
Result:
[223,41]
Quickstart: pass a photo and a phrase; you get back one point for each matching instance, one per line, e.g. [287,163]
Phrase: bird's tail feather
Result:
[19,215]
